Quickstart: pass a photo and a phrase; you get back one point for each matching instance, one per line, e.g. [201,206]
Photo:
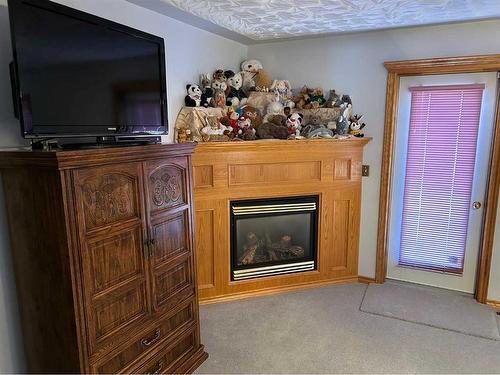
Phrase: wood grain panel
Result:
[328,168]
[203,176]
[341,227]
[205,247]
[114,259]
[241,174]
[342,169]
[173,284]
[170,238]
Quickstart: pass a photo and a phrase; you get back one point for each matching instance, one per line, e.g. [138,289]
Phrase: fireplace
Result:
[273,236]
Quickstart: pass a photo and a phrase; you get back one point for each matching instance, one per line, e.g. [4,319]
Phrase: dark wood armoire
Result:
[102,246]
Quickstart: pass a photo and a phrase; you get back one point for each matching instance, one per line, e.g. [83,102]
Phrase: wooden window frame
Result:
[446,65]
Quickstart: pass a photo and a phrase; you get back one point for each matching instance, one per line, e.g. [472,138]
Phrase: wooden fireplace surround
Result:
[224,172]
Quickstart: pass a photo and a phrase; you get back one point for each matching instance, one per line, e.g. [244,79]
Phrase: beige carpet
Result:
[323,331]
[433,307]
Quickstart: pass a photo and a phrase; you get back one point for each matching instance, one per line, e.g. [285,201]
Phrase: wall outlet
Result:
[365,170]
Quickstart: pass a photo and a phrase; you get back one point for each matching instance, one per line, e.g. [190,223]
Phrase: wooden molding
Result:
[446,65]
[494,304]
[490,214]
[366,280]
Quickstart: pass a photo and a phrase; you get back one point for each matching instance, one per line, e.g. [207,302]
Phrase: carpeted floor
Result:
[432,306]
[323,331]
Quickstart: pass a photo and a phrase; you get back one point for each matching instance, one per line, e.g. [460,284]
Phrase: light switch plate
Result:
[365,170]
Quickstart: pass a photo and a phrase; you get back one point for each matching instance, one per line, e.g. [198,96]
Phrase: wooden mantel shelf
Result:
[226,171]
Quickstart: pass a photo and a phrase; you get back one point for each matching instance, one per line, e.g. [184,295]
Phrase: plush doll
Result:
[342,127]
[283,91]
[219,99]
[275,128]
[231,121]
[303,99]
[206,87]
[342,100]
[246,131]
[219,75]
[273,108]
[214,131]
[355,126]
[234,94]
[262,81]
[315,129]
[294,124]
[317,98]
[193,97]
[332,99]
[253,114]
[249,70]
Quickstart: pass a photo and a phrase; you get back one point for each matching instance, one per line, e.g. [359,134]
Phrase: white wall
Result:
[354,64]
[190,51]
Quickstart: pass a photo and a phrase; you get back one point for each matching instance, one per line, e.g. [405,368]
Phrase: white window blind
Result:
[444,123]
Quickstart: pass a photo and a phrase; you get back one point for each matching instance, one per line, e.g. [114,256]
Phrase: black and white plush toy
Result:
[234,93]
[194,96]
[294,124]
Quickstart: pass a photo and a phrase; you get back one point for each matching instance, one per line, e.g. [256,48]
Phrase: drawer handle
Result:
[148,342]
[159,367]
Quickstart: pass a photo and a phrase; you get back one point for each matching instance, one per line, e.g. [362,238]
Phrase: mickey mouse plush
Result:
[194,96]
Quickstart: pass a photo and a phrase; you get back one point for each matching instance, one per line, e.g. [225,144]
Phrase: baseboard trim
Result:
[495,304]
[366,280]
[275,290]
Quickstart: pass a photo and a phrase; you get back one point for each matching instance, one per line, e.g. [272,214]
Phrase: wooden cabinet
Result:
[104,257]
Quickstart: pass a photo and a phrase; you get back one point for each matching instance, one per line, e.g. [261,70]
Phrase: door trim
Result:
[433,66]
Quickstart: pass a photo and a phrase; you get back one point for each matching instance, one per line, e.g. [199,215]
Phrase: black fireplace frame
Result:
[281,200]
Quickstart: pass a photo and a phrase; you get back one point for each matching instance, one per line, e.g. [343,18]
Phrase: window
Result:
[444,123]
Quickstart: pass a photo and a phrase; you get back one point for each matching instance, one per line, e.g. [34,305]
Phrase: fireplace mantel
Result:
[229,171]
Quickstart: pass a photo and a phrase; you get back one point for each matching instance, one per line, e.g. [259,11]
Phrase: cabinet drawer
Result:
[153,338]
[166,359]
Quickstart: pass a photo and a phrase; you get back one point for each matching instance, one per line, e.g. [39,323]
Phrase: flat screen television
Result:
[77,75]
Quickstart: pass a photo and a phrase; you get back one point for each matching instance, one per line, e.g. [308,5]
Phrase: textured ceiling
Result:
[270,19]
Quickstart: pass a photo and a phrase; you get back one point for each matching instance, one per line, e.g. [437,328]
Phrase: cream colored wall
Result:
[354,64]
[190,51]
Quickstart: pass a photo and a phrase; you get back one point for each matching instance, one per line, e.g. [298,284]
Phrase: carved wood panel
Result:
[108,195]
[166,187]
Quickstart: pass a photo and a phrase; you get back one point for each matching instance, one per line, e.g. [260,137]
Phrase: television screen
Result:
[78,74]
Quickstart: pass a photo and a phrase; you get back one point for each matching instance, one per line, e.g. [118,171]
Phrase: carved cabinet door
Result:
[169,227]
[115,271]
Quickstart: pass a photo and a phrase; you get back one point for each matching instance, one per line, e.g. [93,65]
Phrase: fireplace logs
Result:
[257,250]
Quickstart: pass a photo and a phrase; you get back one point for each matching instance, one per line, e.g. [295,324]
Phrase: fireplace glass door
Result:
[273,236]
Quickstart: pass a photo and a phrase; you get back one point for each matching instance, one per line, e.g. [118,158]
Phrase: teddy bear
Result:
[194,96]
[294,124]
[219,75]
[355,126]
[317,98]
[219,99]
[249,70]
[253,114]
[275,128]
[234,94]
[246,131]
[283,91]
[332,99]
[303,99]
[262,81]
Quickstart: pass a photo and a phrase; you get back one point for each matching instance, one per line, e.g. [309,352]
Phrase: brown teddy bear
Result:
[275,128]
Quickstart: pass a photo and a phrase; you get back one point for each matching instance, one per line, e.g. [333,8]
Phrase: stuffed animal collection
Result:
[281,119]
